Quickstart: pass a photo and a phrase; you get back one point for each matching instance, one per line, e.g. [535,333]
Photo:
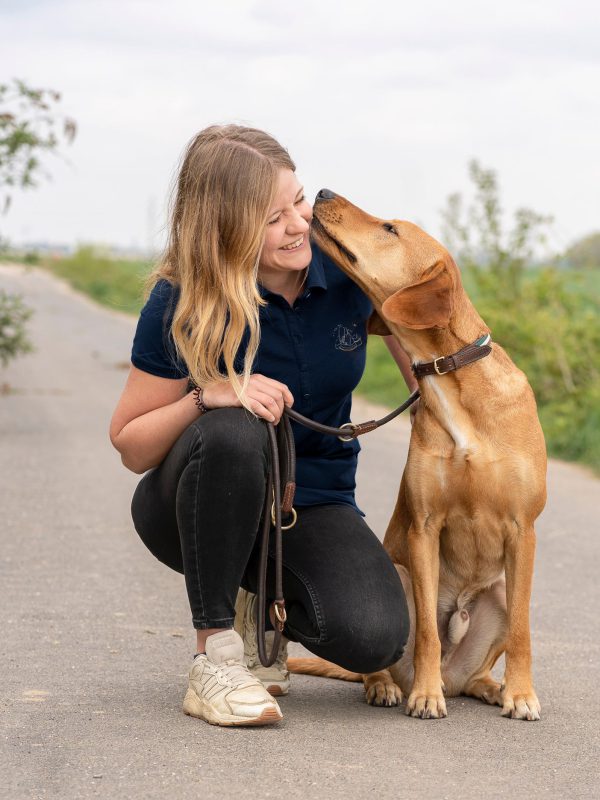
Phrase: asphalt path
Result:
[97,641]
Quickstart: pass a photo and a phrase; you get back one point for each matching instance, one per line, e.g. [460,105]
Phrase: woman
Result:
[243,306]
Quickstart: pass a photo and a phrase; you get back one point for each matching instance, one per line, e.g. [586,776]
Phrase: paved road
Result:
[97,642]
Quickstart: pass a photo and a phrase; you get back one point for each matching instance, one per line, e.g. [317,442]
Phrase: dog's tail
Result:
[321,668]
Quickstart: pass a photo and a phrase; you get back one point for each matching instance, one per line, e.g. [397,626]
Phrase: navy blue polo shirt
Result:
[317,348]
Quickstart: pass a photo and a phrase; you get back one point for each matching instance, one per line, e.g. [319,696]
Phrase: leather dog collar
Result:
[480,348]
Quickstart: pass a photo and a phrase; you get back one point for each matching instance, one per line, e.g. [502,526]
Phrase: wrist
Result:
[199,400]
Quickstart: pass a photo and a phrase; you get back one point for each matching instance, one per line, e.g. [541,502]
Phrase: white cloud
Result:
[384,101]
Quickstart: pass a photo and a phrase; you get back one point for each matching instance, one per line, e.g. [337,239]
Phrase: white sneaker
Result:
[222,691]
[276,678]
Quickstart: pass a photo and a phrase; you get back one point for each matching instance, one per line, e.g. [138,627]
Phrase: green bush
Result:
[552,332]
[13,336]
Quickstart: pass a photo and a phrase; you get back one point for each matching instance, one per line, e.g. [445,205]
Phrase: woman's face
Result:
[287,245]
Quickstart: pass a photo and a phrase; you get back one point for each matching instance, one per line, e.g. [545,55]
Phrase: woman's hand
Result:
[267,396]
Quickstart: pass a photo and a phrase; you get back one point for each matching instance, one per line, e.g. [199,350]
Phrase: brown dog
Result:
[462,533]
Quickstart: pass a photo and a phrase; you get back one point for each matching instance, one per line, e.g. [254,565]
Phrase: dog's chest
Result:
[472,548]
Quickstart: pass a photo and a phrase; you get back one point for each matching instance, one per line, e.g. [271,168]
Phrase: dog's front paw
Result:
[384,694]
[520,705]
[426,705]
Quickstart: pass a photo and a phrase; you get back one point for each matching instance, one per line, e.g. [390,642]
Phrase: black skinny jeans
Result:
[200,511]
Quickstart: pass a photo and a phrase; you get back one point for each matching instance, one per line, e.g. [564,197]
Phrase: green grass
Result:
[554,336]
[382,381]
[117,284]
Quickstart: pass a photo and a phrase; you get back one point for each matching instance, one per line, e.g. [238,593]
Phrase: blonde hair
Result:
[219,211]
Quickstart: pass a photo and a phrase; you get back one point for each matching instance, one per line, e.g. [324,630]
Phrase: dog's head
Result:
[406,272]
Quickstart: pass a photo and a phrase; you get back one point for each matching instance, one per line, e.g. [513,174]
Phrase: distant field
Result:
[116,284]
[569,414]
[584,283]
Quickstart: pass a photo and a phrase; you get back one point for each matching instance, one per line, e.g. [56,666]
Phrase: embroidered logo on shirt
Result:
[346,338]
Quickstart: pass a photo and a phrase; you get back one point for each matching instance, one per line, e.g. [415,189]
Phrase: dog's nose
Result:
[325,194]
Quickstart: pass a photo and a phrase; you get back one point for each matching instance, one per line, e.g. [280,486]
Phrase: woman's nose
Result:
[299,222]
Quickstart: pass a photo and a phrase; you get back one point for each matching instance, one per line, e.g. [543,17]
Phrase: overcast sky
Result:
[383,101]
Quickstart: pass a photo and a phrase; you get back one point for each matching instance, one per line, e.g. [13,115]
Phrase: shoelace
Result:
[234,673]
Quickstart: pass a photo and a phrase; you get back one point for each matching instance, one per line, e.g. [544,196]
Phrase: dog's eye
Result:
[389,227]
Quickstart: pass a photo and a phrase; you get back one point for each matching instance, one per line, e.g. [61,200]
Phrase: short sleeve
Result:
[153,348]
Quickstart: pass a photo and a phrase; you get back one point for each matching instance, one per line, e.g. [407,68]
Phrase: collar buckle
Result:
[437,369]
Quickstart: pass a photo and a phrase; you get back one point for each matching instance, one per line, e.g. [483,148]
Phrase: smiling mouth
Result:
[294,245]
[320,228]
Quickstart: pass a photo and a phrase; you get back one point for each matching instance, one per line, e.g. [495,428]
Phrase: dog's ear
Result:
[425,304]
[377,326]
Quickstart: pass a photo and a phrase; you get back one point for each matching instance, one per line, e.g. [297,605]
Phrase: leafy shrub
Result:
[13,337]
[552,333]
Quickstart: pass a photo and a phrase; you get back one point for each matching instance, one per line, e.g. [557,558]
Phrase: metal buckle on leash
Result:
[281,614]
[284,527]
[347,438]
[437,369]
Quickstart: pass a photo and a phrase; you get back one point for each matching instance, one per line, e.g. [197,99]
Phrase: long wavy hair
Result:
[218,215]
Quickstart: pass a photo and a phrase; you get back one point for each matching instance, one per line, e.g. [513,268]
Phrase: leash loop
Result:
[281,482]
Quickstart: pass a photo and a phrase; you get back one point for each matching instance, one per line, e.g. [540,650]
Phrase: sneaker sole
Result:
[275,690]
[194,707]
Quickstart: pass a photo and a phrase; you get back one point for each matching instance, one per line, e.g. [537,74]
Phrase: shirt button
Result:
[306,396]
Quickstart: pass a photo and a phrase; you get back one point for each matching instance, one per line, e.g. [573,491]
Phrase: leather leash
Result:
[281,482]
[279,498]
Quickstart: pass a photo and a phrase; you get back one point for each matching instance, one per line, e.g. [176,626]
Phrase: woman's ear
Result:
[425,304]
[377,326]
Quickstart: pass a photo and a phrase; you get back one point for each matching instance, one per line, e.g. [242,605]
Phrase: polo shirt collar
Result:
[315,277]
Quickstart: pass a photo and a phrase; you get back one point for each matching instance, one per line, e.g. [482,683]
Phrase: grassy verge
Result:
[553,335]
[114,283]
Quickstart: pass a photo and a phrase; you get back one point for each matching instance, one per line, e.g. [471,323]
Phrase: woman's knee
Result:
[231,433]
[360,632]
[365,630]
[376,644]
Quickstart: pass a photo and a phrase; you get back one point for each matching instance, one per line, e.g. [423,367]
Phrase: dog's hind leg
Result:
[486,689]
[380,689]
[386,688]
[466,667]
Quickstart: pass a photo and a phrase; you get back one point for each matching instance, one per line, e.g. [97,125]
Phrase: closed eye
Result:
[389,227]
[296,203]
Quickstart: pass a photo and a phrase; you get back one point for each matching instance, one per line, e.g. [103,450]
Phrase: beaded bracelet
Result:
[198,400]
